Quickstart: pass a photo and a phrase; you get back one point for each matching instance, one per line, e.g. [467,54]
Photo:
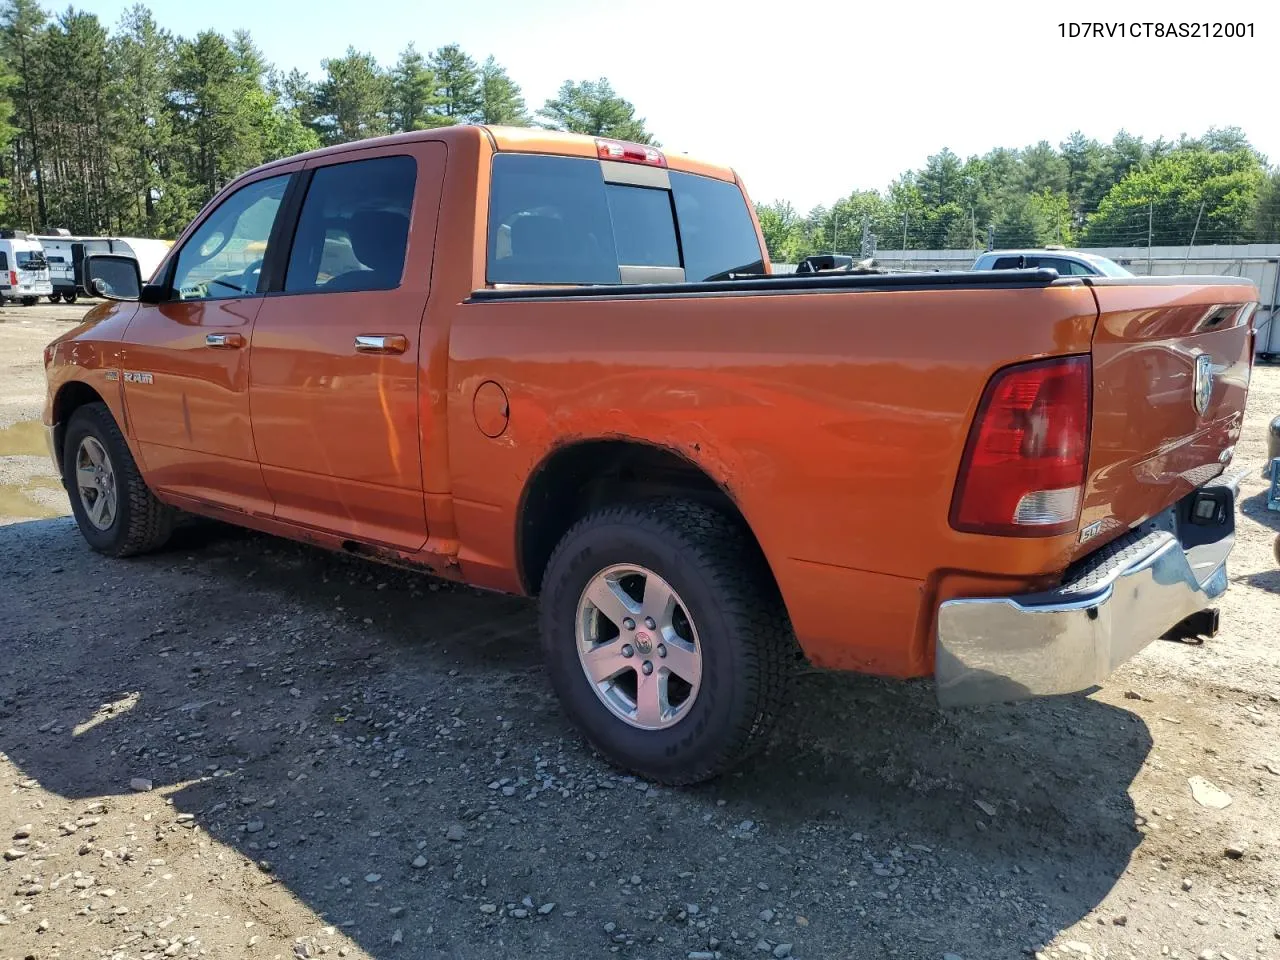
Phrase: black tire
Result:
[70,297]
[747,646]
[141,522]
[55,297]
[30,301]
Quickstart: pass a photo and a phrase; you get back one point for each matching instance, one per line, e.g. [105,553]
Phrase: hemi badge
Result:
[133,376]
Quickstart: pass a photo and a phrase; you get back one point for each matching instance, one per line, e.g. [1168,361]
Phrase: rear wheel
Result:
[70,297]
[116,513]
[665,639]
[55,297]
[30,301]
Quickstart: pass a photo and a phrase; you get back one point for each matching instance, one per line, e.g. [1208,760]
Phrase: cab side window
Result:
[4,261]
[353,231]
[223,259]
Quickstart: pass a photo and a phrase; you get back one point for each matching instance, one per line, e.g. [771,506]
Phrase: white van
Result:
[66,254]
[24,271]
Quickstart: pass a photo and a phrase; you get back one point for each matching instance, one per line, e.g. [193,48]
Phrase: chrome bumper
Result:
[1071,638]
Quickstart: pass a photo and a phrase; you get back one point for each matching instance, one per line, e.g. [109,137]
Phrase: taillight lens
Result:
[1023,469]
[13,278]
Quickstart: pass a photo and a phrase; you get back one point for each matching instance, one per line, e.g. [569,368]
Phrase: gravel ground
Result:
[243,747]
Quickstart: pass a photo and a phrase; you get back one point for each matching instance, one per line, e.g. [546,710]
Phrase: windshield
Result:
[1108,267]
[30,259]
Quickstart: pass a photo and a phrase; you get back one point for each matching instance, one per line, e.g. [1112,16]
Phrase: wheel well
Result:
[70,398]
[578,479]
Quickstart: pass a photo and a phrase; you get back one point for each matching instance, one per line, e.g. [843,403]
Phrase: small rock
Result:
[546,908]
[1206,955]
[488,908]
[14,854]
[372,877]
[610,927]
[766,915]
[635,880]
[1121,921]
[1236,850]
[702,955]
[456,833]
[985,807]
[764,946]
[173,949]
[140,784]
[23,832]
[1186,884]
[254,826]
[397,938]
[42,926]
[419,862]
[1208,794]
[520,913]
[1075,946]
[782,950]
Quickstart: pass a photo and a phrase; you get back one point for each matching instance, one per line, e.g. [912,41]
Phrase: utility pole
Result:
[835,232]
[1151,208]
[1194,231]
[904,230]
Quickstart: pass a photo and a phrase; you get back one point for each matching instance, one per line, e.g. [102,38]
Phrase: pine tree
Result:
[501,101]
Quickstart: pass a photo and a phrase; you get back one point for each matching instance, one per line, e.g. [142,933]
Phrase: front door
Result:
[335,372]
[186,367]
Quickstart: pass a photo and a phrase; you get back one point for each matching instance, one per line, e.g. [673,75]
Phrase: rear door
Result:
[336,355]
[1171,368]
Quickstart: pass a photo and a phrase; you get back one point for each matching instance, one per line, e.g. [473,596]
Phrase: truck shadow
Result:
[337,719]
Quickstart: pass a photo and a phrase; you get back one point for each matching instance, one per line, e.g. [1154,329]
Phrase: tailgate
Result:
[1171,364]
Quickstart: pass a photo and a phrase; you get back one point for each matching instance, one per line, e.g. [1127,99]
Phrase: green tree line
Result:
[131,130]
[1215,188]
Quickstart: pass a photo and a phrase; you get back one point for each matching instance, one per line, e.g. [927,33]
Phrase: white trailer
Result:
[66,254]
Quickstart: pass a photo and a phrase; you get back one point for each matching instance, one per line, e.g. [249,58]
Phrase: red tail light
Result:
[630,153]
[13,278]
[1023,470]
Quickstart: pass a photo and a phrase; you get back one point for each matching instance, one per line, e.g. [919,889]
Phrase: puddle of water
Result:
[14,501]
[24,439]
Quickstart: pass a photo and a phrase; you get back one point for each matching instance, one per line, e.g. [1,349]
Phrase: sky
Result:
[809,101]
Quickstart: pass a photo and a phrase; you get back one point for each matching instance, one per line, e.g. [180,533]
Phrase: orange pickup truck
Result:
[560,366]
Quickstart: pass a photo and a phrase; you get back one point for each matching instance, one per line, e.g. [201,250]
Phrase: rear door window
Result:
[1007,263]
[353,231]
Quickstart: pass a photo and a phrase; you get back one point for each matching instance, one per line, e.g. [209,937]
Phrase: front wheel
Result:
[666,639]
[70,297]
[30,301]
[116,512]
[55,297]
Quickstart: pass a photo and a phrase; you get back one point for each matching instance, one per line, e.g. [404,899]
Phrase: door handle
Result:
[225,341]
[381,343]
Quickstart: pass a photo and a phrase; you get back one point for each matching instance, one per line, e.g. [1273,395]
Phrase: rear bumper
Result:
[1111,605]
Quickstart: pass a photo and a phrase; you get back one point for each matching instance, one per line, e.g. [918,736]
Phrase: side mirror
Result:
[113,277]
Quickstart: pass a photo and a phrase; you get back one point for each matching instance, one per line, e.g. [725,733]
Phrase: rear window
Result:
[30,259]
[556,220]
